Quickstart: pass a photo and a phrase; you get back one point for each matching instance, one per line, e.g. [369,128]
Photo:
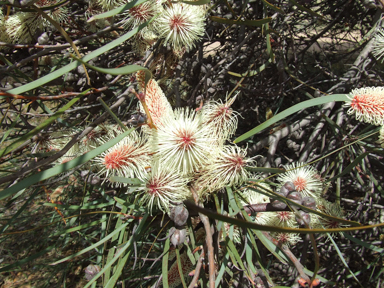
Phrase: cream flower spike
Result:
[381,137]
[367,104]
[128,158]
[221,118]
[227,168]
[163,188]
[181,143]
[22,27]
[157,103]
[305,179]
[181,25]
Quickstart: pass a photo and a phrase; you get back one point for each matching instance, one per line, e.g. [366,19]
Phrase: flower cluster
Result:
[181,148]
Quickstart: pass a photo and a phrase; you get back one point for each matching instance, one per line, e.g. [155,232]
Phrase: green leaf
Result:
[102,50]
[198,2]
[301,7]
[130,181]
[40,127]
[292,110]
[105,239]
[269,5]
[165,262]
[61,168]
[266,170]
[257,23]
[117,10]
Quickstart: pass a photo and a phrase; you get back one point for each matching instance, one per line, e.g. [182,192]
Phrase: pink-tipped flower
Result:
[181,25]
[367,104]
[284,219]
[286,238]
[227,168]
[305,179]
[141,13]
[221,118]
[163,188]
[155,100]
[129,158]
[331,209]
[181,143]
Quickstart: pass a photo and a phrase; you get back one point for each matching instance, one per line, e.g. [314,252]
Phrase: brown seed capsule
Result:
[178,237]
[91,271]
[289,186]
[179,214]
[278,204]
[295,197]
[305,218]
[309,202]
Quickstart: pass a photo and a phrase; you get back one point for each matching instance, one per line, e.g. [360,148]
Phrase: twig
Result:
[197,270]
[208,241]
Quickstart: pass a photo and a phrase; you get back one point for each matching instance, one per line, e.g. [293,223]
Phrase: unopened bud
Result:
[179,214]
[278,204]
[178,237]
[295,197]
[305,218]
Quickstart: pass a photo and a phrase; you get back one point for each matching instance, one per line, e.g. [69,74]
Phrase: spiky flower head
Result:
[22,27]
[288,239]
[107,5]
[141,13]
[284,219]
[221,118]
[163,188]
[58,13]
[253,197]
[158,105]
[329,208]
[227,168]
[305,178]
[378,46]
[367,104]
[231,231]
[128,158]
[181,143]
[181,25]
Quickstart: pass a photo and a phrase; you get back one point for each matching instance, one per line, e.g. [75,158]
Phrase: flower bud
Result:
[305,218]
[278,204]
[179,214]
[295,197]
[309,202]
[178,237]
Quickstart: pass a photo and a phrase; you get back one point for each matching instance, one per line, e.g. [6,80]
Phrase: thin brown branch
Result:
[208,241]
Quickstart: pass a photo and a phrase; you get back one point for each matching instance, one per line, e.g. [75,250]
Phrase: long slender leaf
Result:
[61,168]
[117,10]
[290,111]
[256,23]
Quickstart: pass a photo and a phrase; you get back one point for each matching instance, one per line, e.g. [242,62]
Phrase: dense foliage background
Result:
[274,54]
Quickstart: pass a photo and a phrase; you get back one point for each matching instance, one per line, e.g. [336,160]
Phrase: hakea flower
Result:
[305,179]
[142,13]
[22,27]
[284,219]
[59,14]
[163,188]
[367,104]
[107,5]
[263,218]
[157,104]
[94,138]
[128,158]
[181,25]
[331,209]
[227,168]
[221,117]
[181,143]
[253,197]
[378,46]
[288,239]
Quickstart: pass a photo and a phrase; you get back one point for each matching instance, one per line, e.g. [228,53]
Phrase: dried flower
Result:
[163,188]
[181,143]
[367,104]
[304,178]
[181,25]
[128,158]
